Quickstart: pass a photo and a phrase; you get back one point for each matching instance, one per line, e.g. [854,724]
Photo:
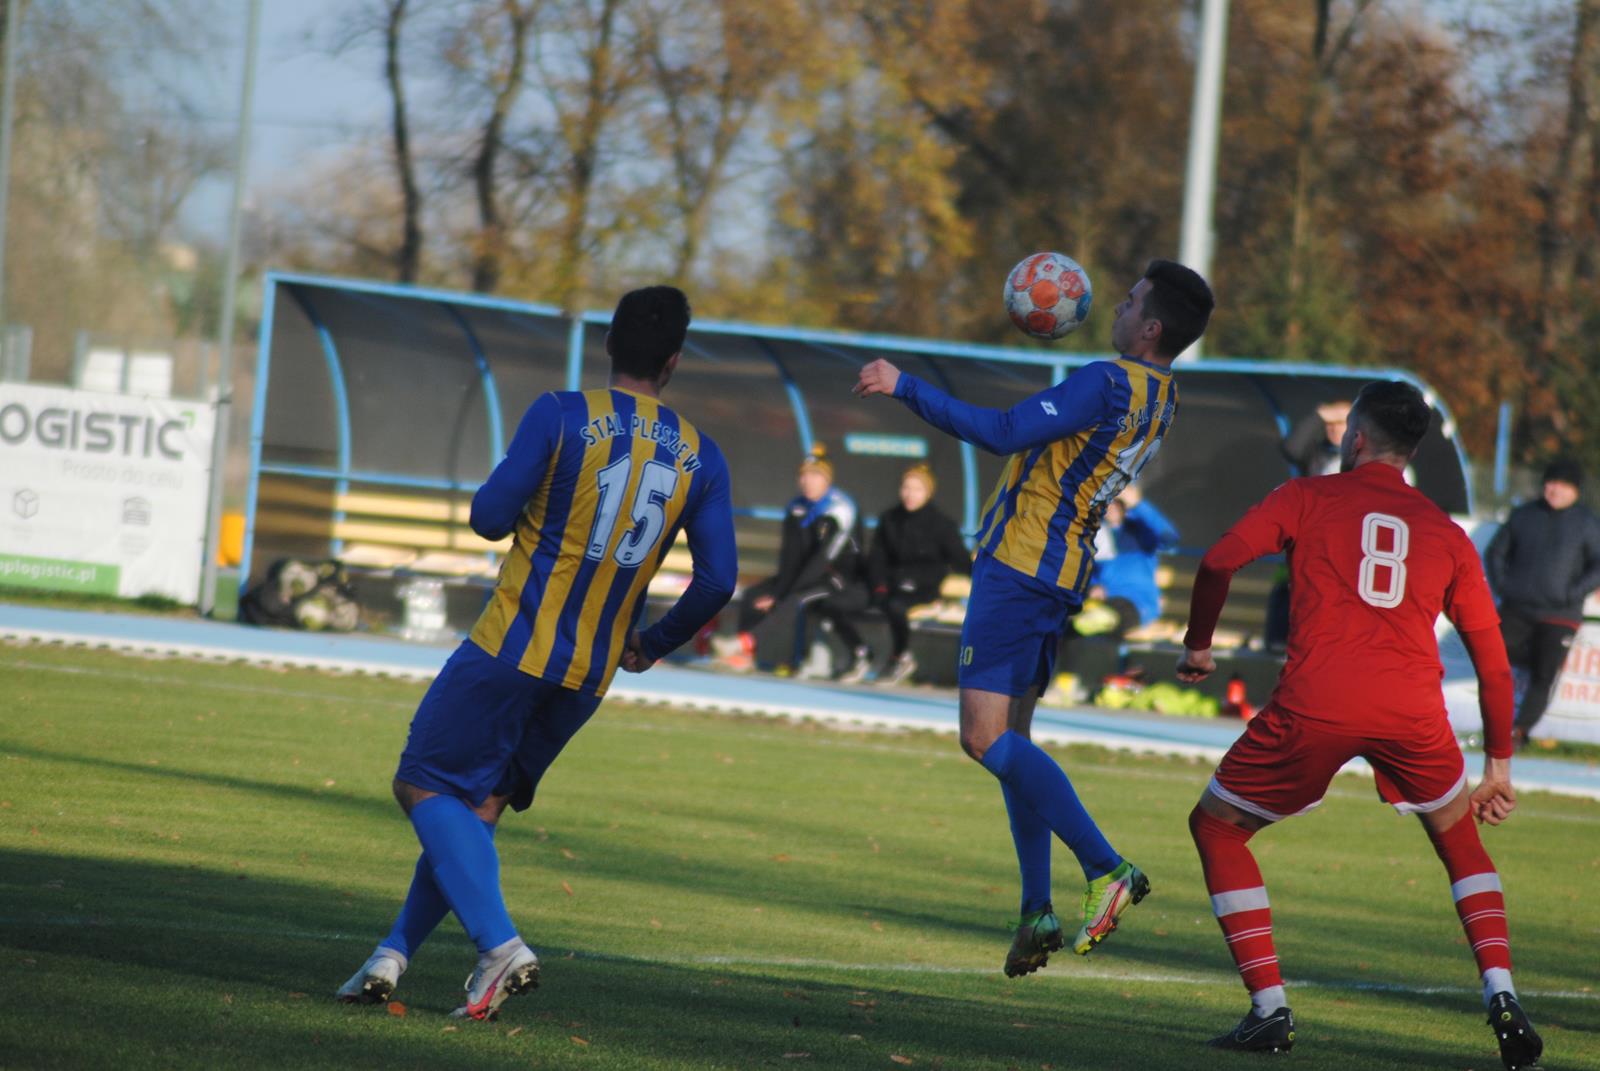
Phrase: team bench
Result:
[391,539]
[936,633]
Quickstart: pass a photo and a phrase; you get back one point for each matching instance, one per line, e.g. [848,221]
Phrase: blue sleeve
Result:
[1150,527]
[716,561]
[1077,402]
[505,494]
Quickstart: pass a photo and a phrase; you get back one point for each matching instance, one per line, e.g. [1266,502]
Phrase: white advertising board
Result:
[102,493]
[1574,711]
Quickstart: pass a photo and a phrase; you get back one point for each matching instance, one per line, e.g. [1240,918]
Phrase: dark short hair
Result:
[648,327]
[1181,300]
[1393,414]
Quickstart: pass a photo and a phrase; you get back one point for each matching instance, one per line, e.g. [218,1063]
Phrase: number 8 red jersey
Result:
[1372,564]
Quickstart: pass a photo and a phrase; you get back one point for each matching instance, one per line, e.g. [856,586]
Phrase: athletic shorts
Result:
[1012,629]
[485,728]
[1282,764]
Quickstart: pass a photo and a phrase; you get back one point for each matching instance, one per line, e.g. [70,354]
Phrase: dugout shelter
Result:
[379,409]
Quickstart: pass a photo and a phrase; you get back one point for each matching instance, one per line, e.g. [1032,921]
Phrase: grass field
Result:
[193,856]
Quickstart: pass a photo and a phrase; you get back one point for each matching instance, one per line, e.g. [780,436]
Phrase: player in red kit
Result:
[1372,564]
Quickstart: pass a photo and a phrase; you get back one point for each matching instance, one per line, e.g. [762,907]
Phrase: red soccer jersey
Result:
[1372,564]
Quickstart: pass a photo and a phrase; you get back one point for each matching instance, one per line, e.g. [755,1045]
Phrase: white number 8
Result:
[1373,556]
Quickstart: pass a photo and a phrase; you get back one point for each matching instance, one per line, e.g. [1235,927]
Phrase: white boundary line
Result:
[1076,974]
[628,693]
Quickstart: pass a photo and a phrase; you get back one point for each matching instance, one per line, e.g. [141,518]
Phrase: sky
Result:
[308,103]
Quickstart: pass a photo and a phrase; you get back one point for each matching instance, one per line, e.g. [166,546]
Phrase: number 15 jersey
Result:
[1372,564]
[595,487]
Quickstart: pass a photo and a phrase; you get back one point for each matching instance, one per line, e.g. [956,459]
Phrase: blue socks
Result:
[1032,838]
[425,907]
[1033,778]
[466,870]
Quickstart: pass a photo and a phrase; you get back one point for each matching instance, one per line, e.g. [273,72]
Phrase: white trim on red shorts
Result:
[1434,805]
[1216,789]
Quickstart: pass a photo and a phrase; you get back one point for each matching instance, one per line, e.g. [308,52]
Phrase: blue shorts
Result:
[486,728]
[1012,629]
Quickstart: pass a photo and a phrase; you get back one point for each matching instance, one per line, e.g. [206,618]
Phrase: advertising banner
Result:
[1574,711]
[102,493]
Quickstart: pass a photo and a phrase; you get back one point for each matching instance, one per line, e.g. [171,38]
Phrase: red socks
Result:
[1475,887]
[1239,900]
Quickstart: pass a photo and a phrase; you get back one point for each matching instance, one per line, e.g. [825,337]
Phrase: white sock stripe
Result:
[1490,941]
[1474,884]
[1257,962]
[1492,912]
[1237,900]
[1242,934]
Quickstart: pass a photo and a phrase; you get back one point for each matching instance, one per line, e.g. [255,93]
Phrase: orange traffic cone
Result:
[1236,701]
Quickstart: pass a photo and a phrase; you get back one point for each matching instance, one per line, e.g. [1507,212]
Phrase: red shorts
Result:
[1281,766]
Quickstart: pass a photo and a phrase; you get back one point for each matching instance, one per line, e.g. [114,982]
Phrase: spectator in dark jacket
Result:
[1543,563]
[914,548]
[818,554]
[1312,446]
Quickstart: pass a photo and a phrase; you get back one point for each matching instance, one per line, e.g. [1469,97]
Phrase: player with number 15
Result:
[1372,564]
[594,489]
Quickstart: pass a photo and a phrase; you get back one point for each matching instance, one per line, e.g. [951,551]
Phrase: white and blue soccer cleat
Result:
[375,981]
[505,972]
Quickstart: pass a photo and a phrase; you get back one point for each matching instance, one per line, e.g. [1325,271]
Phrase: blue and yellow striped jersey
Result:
[1073,448]
[595,488]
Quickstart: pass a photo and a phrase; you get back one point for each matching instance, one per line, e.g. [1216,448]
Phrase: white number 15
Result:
[657,482]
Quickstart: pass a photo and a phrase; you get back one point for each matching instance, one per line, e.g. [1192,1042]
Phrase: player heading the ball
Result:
[1072,449]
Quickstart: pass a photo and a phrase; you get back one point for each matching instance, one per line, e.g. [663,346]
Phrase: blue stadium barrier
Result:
[375,386]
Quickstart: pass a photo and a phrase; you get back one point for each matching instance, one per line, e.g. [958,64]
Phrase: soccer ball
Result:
[1048,295]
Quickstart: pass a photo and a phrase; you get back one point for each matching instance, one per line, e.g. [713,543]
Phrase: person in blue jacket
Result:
[1126,578]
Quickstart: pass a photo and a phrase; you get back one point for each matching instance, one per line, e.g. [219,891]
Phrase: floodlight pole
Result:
[8,95]
[230,283]
[1205,124]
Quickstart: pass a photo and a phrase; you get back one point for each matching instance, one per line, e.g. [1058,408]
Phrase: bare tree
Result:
[506,82]
[1562,195]
[409,256]
[1326,51]
[584,107]
[710,75]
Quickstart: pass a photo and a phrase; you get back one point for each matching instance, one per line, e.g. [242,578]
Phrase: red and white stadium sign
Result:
[1574,712]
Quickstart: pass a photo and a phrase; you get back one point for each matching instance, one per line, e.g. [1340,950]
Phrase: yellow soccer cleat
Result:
[1104,901]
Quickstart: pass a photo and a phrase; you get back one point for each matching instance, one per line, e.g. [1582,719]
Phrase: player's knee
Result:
[1209,827]
[975,741]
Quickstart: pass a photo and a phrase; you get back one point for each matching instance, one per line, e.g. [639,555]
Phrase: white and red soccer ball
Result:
[1048,295]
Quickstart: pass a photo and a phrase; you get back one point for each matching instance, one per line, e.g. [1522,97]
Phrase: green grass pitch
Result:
[193,856]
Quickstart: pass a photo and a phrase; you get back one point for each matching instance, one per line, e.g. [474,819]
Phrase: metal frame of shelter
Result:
[341,474]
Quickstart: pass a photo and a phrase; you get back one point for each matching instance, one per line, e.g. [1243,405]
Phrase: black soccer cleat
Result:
[1520,1043]
[1255,1033]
